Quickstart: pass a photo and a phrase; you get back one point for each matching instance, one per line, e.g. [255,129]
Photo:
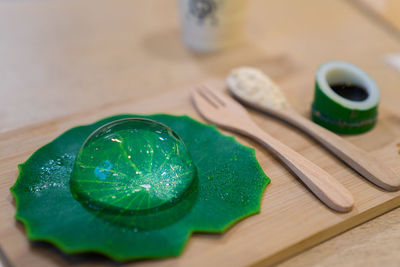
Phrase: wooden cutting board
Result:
[291,218]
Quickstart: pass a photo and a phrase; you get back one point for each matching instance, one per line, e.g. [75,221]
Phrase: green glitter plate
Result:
[227,188]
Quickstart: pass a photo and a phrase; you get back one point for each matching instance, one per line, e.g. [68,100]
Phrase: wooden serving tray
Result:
[291,218]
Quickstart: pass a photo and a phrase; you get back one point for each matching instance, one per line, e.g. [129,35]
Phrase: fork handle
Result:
[322,184]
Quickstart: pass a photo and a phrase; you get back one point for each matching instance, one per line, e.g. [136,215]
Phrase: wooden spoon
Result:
[366,165]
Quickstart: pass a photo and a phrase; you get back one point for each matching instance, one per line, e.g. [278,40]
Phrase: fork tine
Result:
[200,100]
[207,97]
[218,98]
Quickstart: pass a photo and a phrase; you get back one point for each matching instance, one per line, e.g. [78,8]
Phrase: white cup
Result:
[210,25]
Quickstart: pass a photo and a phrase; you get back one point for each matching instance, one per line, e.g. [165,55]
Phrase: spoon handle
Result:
[322,184]
[369,167]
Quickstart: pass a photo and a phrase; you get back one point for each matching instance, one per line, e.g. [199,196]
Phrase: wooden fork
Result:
[226,113]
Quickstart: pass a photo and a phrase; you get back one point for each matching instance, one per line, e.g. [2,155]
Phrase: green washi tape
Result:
[346,98]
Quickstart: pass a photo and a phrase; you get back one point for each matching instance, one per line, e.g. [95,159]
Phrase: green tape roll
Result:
[346,98]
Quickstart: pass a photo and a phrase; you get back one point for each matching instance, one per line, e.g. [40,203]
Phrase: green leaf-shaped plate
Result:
[229,186]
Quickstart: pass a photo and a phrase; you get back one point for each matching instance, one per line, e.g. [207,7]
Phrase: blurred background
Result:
[59,57]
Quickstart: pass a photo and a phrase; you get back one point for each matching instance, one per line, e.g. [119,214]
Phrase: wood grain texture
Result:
[63,57]
[373,247]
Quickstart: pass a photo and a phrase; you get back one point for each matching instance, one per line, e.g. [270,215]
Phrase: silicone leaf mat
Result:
[229,188]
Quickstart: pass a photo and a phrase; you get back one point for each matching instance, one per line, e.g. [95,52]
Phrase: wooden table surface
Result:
[385,11]
[62,57]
